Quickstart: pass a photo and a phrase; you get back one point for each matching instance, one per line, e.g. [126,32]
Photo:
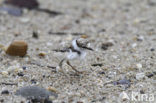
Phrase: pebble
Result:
[139,66]
[150,75]
[1,100]
[123,96]
[102,72]
[12,10]
[17,48]
[122,82]
[24,20]
[5,73]
[35,93]
[14,69]
[42,54]
[35,35]
[140,38]
[152,49]
[20,74]
[52,89]
[5,92]
[134,45]
[33,81]
[79,102]
[152,2]
[30,4]
[140,76]
[49,44]
[97,64]
[24,67]
[84,36]
[105,46]
[2,47]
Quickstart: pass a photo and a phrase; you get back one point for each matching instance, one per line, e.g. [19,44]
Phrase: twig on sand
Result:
[5,83]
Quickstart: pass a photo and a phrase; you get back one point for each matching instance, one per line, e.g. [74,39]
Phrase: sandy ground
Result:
[128,24]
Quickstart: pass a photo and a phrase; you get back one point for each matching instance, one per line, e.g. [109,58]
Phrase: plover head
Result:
[78,49]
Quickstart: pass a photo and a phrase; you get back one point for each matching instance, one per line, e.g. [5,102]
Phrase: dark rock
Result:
[30,4]
[150,75]
[33,81]
[1,100]
[24,67]
[102,72]
[152,2]
[105,46]
[20,74]
[122,82]
[5,92]
[12,10]
[35,93]
[35,35]
[97,64]
[152,49]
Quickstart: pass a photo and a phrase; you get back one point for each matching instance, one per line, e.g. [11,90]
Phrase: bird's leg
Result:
[60,65]
[73,67]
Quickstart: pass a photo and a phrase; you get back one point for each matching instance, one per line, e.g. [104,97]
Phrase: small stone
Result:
[17,48]
[29,4]
[152,2]
[84,36]
[152,49]
[35,93]
[123,96]
[97,64]
[20,74]
[33,81]
[24,20]
[142,92]
[5,92]
[2,47]
[77,21]
[49,44]
[122,82]
[102,72]
[79,102]
[134,45]
[139,66]
[140,38]
[150,75]
[52,89]
[1,100]
[17,70]
[105,46]
[102,30]
[11,10]
[140,76]
[42,54]
[5,73]
[16,34]
[35,35]
[24,67]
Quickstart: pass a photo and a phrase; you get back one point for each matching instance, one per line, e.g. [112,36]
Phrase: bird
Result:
[77,50]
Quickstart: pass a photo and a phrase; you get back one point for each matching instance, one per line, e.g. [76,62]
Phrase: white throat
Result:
[75,46]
